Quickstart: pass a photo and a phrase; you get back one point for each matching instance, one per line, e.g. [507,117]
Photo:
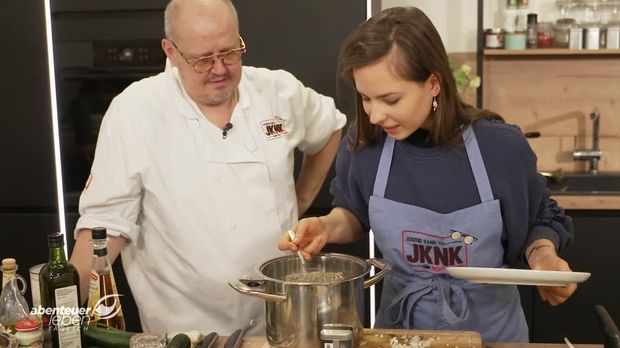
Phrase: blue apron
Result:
[420,244]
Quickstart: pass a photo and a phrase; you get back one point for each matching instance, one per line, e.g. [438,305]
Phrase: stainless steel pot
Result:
[296,312]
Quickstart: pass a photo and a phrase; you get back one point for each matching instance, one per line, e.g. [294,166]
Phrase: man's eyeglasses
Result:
[204,64]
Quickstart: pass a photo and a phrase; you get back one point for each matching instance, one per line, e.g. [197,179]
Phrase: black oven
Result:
[99,49]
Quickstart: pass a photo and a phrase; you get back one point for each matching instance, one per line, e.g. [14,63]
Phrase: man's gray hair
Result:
[172,9]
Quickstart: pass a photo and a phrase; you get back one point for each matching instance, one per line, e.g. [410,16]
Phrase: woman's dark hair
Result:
[419,53]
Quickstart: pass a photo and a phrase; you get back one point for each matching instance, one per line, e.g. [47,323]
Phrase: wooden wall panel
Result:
[554,95]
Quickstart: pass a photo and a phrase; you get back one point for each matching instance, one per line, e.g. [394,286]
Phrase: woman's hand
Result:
[544,257]
[311,235]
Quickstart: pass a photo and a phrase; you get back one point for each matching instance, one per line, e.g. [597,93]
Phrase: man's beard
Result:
[218,99]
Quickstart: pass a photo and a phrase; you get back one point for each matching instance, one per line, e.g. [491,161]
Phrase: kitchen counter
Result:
[588,202]
[259,342]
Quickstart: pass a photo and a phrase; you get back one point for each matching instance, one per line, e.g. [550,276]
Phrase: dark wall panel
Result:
[26,147]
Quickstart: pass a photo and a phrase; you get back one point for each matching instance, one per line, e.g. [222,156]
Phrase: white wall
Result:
[456,20]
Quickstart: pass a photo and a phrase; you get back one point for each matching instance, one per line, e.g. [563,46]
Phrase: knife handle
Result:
[234,340]
[610,330]
[208,341]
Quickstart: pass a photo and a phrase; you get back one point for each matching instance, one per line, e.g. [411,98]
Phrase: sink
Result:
[605,183]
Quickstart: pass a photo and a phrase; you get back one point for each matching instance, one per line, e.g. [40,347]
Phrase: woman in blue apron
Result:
[440,183]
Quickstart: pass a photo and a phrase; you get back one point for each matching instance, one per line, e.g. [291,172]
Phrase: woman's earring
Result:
[435,104]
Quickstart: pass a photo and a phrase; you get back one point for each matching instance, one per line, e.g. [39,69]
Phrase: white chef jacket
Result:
[200,210]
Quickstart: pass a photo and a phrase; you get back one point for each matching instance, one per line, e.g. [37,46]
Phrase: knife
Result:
[208,341]
[234,340]
[610,330]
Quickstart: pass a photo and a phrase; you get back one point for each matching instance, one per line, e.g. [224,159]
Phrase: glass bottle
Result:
[532,30]
[9,270]
[59,284]
[103,300]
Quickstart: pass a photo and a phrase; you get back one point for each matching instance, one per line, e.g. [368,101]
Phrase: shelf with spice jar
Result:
[552,52]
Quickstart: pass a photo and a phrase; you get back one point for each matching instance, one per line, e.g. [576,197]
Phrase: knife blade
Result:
[208,341]
[234,340]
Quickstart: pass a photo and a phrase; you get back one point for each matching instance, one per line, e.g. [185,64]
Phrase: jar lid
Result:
[27,324]
[494,30]
[566,21]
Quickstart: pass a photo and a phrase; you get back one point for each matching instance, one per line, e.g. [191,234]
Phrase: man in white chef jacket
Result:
[193,173]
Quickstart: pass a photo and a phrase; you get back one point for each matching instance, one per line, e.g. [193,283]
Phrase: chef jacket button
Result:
[230,224]
[271,212]
[217,177]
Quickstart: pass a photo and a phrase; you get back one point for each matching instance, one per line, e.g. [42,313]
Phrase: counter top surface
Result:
[588,202]
[259,342]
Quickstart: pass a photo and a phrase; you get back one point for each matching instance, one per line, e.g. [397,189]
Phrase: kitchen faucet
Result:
[592,155]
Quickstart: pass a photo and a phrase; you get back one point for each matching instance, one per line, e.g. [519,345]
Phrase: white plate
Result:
[517,276]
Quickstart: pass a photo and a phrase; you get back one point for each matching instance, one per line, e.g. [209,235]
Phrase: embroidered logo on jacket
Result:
[274,128]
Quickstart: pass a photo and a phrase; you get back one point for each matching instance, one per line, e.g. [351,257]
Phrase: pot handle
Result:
[255,288]
[378,263]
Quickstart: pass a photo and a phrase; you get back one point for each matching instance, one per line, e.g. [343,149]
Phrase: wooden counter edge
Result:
[259,342]
[588,202]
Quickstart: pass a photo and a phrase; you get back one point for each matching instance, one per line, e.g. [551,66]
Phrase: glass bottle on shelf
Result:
[103,300]
[532,30]
[59,284]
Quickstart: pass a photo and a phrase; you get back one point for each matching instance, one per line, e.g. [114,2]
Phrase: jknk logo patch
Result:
[274,128]
[431,253]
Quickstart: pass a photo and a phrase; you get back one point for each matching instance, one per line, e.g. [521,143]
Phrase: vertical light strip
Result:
[373,299]
[371,236]
[55,128]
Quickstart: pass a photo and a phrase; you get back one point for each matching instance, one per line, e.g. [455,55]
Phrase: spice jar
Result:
[561,32]
[28,333]
[545,35]
[494,38]
[613,35]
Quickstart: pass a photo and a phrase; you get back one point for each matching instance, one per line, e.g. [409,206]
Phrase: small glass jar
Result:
[494,38]
[561,32]
[545,35]
[28,333]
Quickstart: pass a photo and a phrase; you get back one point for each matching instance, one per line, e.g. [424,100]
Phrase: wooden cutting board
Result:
[380,338]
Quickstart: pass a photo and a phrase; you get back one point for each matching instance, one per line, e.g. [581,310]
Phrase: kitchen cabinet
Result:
[594,250]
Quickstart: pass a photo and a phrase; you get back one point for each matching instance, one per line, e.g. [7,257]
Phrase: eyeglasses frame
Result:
[213,57]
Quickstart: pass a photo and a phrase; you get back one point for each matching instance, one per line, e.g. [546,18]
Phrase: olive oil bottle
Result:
[59,284]
[104,303]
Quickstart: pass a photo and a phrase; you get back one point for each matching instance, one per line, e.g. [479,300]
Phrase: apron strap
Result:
[384,167]
[477,165]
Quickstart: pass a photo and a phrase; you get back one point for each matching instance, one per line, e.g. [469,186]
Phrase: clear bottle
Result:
[9,270]
[103,299]
[59,284]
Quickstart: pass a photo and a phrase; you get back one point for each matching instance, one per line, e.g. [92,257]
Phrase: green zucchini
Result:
[180,341]
[95,336]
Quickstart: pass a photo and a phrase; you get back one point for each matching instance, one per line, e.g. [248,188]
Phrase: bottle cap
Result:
[55,240]
[8,263]
[28,324]
[99,233]
[532,17]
